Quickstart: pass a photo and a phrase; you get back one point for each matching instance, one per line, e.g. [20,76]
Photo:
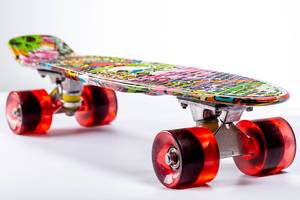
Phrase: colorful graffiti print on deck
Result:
[128,75]
[33,49]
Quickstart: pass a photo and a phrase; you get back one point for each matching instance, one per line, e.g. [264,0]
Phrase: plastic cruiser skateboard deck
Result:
[187,157]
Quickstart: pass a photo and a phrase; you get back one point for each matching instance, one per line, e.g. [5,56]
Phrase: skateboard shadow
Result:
[229,175]
[104,148]
[64,132]
[124,154]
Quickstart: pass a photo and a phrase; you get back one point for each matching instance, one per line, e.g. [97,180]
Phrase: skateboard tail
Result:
[33,49]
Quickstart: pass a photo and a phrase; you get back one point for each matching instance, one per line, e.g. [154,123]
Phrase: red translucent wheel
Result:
[29,112]
[185,157]
[99,106]
[269,144]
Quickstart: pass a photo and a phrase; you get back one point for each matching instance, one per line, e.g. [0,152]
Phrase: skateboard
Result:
[188,157]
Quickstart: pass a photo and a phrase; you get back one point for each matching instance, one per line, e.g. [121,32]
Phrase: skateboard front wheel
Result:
[99,106]
[185,157]
[29,112]
[270,145]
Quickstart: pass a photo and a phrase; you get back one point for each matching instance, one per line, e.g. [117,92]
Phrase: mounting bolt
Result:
[183,105]
[17,112]
[248,109]
[172,158]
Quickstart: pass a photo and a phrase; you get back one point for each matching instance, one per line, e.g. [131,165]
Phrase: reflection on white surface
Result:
[168,179]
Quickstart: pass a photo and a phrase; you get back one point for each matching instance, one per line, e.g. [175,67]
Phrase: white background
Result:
[259,39]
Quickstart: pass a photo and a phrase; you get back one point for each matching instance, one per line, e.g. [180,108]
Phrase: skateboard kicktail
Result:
[85,88]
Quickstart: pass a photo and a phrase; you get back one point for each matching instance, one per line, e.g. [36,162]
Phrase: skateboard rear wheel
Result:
[270,144]
[99,106]
[185,157]
[29,112]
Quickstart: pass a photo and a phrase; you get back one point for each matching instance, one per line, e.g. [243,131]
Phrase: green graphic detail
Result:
[31,49]
[26,43]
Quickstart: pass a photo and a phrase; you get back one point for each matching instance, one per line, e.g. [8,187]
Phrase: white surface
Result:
[114,161]
[257,38]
